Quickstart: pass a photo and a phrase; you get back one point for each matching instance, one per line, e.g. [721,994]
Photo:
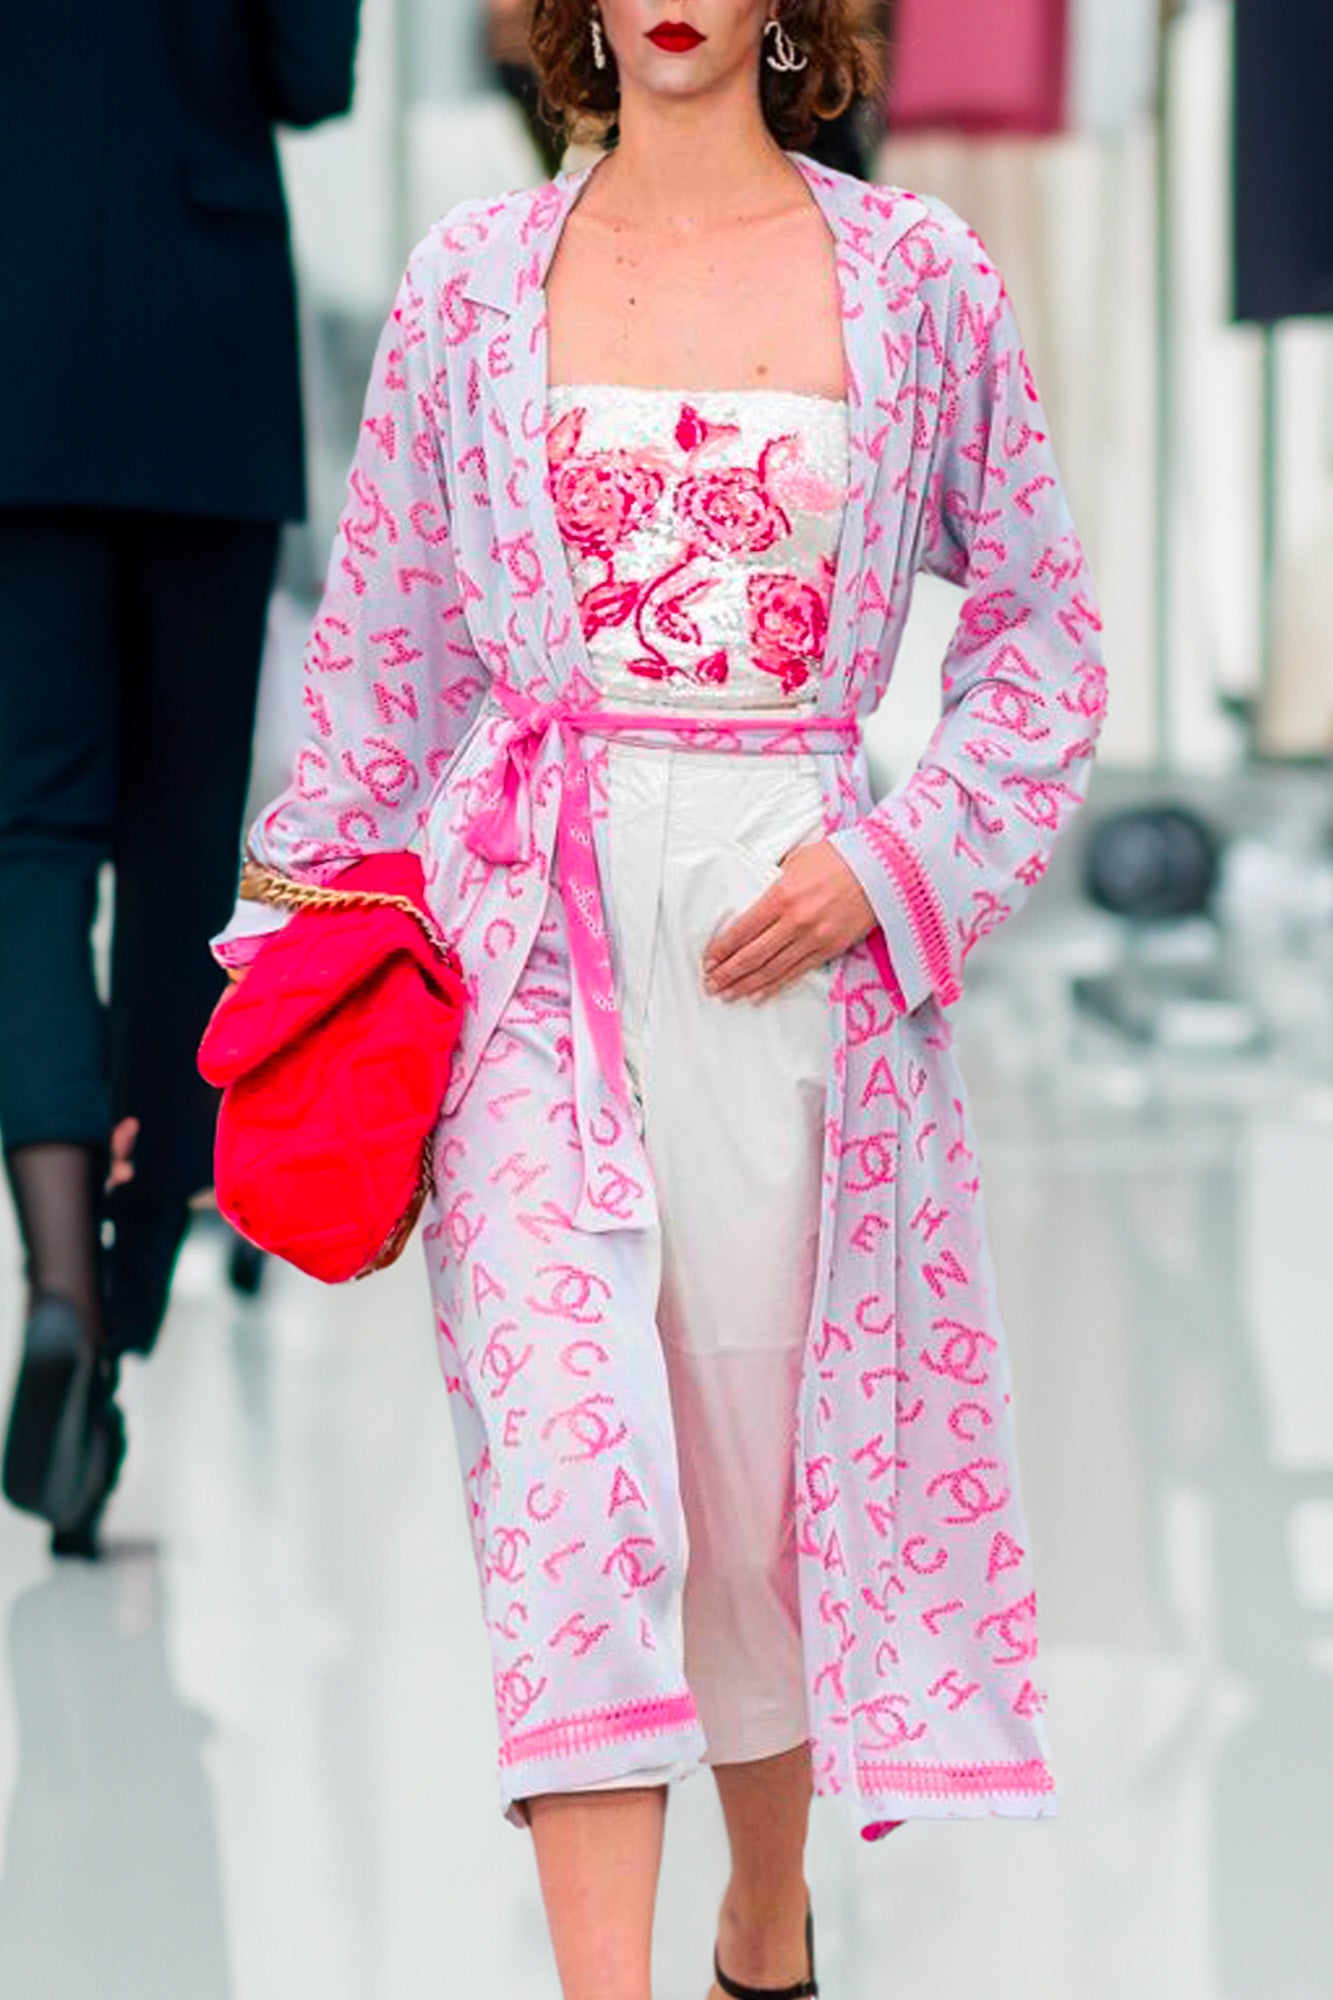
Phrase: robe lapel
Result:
[509,273]
[865,221]
[856,265]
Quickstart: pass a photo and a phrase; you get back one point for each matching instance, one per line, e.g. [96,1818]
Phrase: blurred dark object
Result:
[851,141]
[1283,215]
[519,82]
[1151,862]
[1189,1009]
[504,28]
[141,1243]
[1157,867]
[245,1267]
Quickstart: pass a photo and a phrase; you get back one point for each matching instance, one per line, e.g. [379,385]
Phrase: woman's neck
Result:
[684,172]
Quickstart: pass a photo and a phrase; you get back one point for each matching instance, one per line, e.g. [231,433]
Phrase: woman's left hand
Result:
[817,910]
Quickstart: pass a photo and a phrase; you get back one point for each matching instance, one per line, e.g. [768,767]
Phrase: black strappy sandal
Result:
[804,1989]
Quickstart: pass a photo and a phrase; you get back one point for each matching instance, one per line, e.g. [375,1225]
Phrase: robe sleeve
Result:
[955,848]
[391,679]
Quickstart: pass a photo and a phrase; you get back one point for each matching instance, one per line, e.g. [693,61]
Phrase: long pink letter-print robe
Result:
[444,655]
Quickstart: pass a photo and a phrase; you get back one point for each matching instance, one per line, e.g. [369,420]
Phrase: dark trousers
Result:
[129,661]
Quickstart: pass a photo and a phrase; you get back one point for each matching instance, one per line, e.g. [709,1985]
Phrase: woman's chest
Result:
[719,310]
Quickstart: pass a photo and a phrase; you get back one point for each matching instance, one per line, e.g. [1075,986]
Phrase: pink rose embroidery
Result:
[787,620]
[601,497]
[792,482]
[608,603]
[711,671]
[563,436]
[694,433]
[729,513]
[669,607]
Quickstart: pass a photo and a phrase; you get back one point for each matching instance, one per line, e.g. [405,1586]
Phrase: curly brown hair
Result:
[845,62]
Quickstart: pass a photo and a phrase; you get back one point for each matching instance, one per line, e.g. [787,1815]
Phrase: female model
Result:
[650,457]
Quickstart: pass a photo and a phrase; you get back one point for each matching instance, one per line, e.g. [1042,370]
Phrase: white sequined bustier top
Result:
[701,529]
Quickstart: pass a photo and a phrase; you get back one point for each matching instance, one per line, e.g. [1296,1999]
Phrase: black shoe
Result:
[245,1267]
[66,1439]
[80,1536]
[804,1989]
[81,1542]
[146,1234]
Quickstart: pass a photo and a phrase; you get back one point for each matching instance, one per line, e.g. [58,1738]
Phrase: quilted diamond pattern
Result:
[333,1055]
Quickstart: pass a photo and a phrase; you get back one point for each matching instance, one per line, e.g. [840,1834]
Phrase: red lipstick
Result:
[677,36]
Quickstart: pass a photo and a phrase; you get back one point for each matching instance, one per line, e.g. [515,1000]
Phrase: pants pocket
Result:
[762,861]
[790,815]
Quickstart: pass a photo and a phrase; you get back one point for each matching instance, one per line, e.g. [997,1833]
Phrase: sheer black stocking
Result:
[56,1192]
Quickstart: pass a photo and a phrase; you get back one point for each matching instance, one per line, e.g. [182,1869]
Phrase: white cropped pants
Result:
[730,1099]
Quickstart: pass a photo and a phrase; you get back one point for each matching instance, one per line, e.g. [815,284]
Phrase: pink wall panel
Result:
[980,65]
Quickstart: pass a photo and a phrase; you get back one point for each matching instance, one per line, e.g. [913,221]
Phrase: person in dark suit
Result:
[150,447]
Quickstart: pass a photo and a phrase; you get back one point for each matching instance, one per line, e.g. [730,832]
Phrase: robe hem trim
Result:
[875,1774]
[571,1735]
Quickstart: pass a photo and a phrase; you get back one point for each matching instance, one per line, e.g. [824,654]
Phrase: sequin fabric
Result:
[701,529]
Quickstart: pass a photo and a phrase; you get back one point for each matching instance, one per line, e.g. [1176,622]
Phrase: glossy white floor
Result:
[250,1755]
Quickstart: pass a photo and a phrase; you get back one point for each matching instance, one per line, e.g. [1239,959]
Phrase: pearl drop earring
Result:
[598,45]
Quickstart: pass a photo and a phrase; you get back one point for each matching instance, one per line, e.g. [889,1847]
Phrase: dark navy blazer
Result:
[148,339]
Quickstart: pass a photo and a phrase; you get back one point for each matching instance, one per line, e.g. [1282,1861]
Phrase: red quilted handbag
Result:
[332,1055]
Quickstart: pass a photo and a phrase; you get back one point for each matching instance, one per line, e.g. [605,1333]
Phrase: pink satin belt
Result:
[499,827]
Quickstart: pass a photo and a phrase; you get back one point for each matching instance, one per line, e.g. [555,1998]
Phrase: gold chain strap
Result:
[261,884]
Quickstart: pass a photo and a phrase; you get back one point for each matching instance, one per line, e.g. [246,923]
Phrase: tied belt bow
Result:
[499,827]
